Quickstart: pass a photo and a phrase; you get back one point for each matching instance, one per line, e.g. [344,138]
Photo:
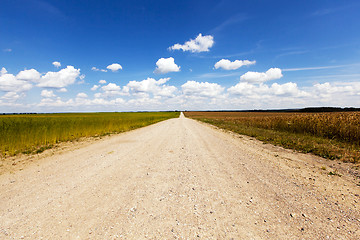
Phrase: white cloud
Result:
[3,71]
[81,95]
[145,101]
[11,96]
[228,65]
[289,88]
[114,67]
[244,88]
[29,75]
[50,102]
[331,90]
[7,50]
[63,78]
[95,87]
[259,77]
[252,92]
[111,90]
[9,83]
[111,87]
[217,75]
[262,90]
[165,65]
[199,44]
[81,79]
[150,85]
[97,69]
[62,90]
[57,64]
[288,95]
[104,102]
[47,93]
[202,89]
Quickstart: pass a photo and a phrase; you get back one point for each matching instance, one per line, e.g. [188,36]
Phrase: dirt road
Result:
[179,179]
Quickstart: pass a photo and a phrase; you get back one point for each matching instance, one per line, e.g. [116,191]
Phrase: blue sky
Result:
[168,55]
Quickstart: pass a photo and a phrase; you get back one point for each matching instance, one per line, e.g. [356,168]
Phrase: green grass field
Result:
[35,133]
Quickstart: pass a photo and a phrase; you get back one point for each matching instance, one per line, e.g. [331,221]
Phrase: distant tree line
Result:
[313,110]
[17,113]
[305,110]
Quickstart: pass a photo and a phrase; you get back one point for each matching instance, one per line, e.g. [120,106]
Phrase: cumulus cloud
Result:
[79,102]
[289,95]
[111,90]
[62,90]
[57,64]
[104,102]
[244,88]
[3,71]
[199,44]
[165,65]
[95,87]
[11,96]
[29,75]
[61,79]
[328,90]
[10,83]
[111,87]
[158,94]
[289,88]
[81,79]
[261,90]
[202,89]
[139,89]
[114,67]
[97,69]
[228,65]
[260,77]
[47,93]
[50,102]
[150,85]
[81,95]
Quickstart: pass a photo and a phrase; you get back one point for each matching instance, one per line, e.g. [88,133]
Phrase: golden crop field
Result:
[34,133]
[330,135]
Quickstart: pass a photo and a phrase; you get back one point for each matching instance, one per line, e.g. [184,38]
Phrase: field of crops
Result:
[330,135]
[34,133]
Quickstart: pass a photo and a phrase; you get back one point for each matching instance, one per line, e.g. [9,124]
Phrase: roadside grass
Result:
[37,132]
[329,135]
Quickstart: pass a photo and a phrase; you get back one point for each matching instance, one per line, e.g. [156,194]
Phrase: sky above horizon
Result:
[70,56]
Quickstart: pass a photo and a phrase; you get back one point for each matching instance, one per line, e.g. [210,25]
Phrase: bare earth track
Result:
[179,179]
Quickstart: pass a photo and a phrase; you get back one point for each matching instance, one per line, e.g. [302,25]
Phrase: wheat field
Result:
[36,132]
[334,135]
